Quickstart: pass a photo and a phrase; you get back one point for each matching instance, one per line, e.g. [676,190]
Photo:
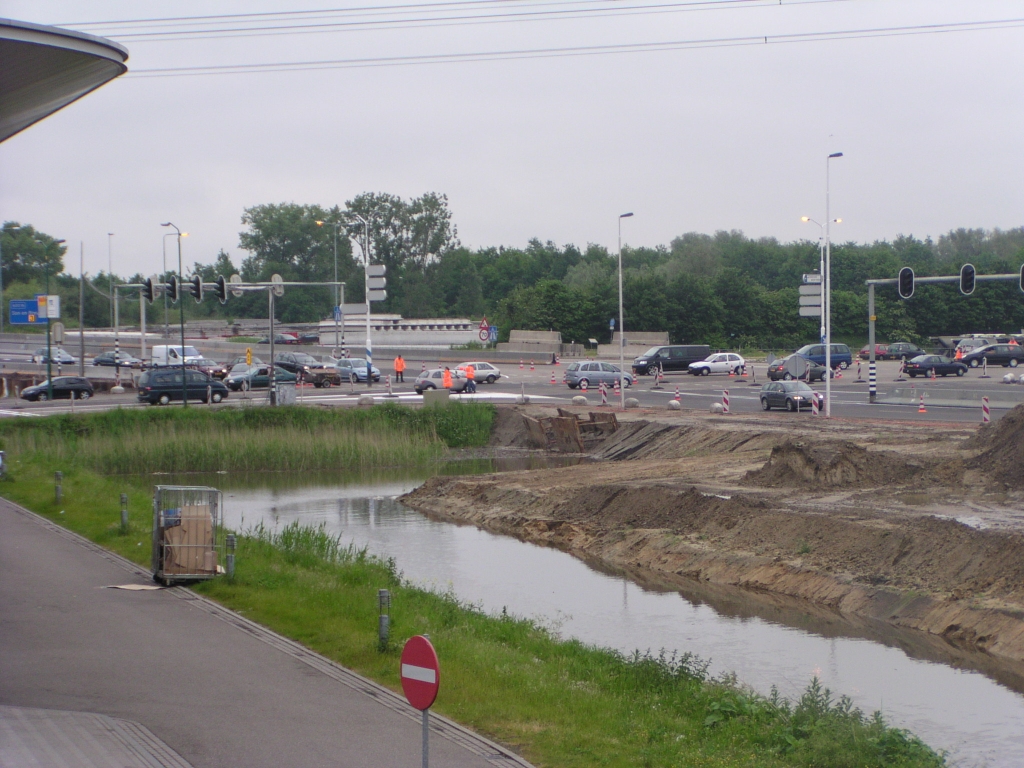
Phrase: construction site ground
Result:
[916,525]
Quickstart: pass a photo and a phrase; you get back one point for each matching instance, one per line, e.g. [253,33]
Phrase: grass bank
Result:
[295,439]
[559,703]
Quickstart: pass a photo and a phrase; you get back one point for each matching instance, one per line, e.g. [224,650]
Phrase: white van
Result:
[170,354]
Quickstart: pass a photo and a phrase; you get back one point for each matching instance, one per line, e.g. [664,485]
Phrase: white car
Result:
[483,373]
[720,362]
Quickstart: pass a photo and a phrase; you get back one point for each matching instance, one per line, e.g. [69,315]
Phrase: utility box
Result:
[285,394]
[186,533]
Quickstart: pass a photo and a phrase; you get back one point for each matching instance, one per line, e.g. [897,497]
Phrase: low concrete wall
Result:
[1011,396]
[646,339]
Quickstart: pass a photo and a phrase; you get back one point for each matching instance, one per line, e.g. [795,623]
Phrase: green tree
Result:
[28,253]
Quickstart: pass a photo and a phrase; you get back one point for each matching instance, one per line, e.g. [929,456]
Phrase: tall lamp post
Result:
[366,289]
[622,330]
[828,289]
[110,274]
[181,306]
[49,352]
[337,297]
[167,331]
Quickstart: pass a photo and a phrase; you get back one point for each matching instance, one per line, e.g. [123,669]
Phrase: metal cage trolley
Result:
[186,533]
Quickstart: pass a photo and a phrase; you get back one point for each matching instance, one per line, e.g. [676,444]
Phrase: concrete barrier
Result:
[1002,398]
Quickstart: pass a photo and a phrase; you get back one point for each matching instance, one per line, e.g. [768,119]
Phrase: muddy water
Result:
[914,681]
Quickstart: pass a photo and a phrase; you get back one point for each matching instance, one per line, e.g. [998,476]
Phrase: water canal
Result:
[969,707]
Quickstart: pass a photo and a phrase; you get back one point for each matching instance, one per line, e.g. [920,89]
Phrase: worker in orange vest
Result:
[959,353]
[470,378]
[446,380]
[399,369]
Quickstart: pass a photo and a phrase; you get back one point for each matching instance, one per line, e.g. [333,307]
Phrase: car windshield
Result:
[796,386]
[651,352]
[805,350]
[239,368]
[302,357]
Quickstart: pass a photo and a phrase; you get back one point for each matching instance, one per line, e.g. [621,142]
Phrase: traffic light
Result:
[147,289]
[967,279]
[172,288]
[222,289]
[906,283]
[195,287]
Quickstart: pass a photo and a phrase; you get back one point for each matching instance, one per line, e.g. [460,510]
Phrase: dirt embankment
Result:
[862,521]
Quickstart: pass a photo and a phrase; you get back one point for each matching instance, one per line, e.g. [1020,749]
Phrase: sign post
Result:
[485,331]
[421,678]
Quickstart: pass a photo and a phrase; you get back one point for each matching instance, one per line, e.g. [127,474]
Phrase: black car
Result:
[791,395]
[125,360]
[64,387]
[165,384]
[298,363]
[923,365]
[899,350]
[675,357]
[805,369]
[1005,355]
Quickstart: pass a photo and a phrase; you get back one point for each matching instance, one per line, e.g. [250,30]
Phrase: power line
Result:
[593,50]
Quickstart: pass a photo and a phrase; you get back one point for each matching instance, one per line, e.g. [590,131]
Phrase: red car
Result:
[881,352]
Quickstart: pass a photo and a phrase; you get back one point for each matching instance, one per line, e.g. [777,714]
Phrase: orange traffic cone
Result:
[553,378]
[531,366]
[520,363]
[921,408]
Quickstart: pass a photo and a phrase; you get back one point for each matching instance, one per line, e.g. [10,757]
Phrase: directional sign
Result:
[376,270]
[377,295]
[492,333]
[277,288]
[812,278]
[25,312]
[810,301]
[810,311]
[376,283]
[809,290]
[421,672]
[233,280]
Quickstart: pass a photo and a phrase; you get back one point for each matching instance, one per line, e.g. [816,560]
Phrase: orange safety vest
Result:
[399,365]
[446,382]
[470,372]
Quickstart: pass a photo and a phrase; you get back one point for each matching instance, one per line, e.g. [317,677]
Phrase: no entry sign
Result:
[421,673]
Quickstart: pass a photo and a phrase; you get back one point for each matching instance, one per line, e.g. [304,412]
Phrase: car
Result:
[840,356]
[923,365]
[60,357]
[280,338]
[791,395]
[720,362]
[782,369]
[258,377]
[433,379]
[309,338]
[355,366]
[64,388]
[675,357]
[217,370]
[586,375]
[298,363]
[881,352]
[240,360]
[484,373]
[124,360]
[904,350]
[1005,355]
[163,385]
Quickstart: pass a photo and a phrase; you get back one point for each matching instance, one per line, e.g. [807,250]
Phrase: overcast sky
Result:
[697,139]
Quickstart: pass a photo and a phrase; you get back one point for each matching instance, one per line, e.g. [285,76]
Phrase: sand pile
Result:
[1002,442]
[838,464]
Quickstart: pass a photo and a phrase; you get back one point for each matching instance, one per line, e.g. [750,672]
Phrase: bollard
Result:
[124,514]
[383,619]
[229,560]
[58,490]
[814,404]
[209,395]
[725,401]
[753,377]
[604,393]
[859,377]
[986,414]
[984,369]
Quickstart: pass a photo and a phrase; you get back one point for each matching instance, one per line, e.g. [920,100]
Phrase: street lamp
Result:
[181,306]
[337,298]
[49,352]
[366,289]
[622,330]
[110,275]
[828,289]
[163,276]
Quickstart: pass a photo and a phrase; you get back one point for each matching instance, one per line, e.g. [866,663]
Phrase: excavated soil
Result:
[917,525]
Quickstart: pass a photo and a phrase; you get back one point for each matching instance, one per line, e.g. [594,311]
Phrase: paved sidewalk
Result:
[215,688]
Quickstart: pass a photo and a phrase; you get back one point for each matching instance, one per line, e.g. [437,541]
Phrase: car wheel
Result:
[912,375]
[583,383]
[217,397]
[790,405]
[491,379]
[844,365]
[326,383]
[42,396]
[739,370]
[974,363]
[959,371]
[787,376]
[164,399]
[353,378]
[84,394]
[1014,362]
[705,371]
[765,406]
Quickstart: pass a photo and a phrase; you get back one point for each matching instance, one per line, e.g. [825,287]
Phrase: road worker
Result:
[470,378]
[446,381]
[959,353]
[399,369]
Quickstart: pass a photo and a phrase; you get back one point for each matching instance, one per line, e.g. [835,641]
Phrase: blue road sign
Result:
[26,312]
[611,324]
[337,313]
[492,333]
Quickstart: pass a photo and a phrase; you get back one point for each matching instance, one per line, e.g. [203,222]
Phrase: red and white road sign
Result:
[421,673]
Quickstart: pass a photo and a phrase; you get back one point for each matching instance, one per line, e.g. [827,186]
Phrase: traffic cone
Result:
[423,367]
[933,373]
[676,398]
[553,378]
[531,366]
[732,372]
[921,408]
[520,363]
[558,360]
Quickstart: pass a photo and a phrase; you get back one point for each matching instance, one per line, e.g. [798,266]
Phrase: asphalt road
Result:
[849,396]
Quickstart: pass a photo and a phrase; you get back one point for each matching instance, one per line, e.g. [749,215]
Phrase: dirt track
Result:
[920,526]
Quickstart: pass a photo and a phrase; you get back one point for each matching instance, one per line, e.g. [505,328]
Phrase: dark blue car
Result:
[841,357]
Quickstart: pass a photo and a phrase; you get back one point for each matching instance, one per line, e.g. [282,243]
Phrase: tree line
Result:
[724,289]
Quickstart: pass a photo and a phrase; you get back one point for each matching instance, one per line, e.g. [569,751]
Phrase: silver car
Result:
[434,378]
[593,374]
[483,373]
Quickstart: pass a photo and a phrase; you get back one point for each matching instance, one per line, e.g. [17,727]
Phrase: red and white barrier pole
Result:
[725,401]
[814,404]
[986,413]
[604,393]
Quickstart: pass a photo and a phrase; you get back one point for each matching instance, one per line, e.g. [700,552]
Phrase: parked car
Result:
[806,368]
[213,368]
[433,379]
[162,385]
[720,362]
[354,366]
[60,357]
[791,395]
[63,388]
[258,377]
[240,360]
[675,357]
[280,338]
[124,360]
[922,365]
[904,349]
[593,374]
[309,338]
[483,372]
[881,352]
[1005,355]
[840,355]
